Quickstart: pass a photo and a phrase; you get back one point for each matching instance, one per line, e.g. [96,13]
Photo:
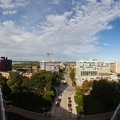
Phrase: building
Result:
[91,70]
[112,67]
[5,64]
[49,66]
[5,74]
[117,67]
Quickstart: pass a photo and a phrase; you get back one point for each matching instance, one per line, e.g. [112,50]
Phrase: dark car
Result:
[59,100]
[57,104]
[69,100]
[69,97]
[69,105]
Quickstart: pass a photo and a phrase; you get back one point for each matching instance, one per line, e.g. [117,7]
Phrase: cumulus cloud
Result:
[80,31]
[62,34]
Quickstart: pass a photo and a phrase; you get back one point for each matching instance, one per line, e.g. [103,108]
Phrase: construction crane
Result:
[48,54]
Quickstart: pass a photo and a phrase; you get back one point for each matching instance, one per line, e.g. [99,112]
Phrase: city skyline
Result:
[69,30]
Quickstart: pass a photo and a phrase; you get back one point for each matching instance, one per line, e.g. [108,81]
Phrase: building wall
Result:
[91,69]
[49,66]
[112,67]
[5,74]
[117,67]
[5,64]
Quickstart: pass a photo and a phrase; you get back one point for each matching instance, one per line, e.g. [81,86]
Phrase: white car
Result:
[70,109]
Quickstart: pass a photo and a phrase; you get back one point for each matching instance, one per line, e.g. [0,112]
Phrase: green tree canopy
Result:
[48,95]
[103,91]
[79,100]
[78,91]
[5,88]
[15,82]
[2,80]
[43,81]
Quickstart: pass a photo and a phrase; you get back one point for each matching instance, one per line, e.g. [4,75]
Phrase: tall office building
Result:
[5,64]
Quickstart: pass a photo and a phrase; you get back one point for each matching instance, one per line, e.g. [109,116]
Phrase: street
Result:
[64,91]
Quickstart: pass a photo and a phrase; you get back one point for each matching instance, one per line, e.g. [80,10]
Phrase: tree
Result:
[2,80]
[38,82]
[56,78]
[85,85]
[48,95]
[15,82]
[43,81]
[78,91]
[79,100]
[72,74]
[103,91]
[5,88]
[118,75]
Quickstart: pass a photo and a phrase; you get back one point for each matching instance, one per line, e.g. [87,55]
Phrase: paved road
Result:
[61,112]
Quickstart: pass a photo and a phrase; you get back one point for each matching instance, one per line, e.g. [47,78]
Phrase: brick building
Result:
[5,64]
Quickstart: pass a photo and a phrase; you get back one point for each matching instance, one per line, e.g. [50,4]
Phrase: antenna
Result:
[48,54]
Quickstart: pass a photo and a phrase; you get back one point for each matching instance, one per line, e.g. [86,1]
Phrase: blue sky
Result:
[68,29]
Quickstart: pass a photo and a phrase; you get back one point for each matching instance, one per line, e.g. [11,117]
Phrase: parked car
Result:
[57,104]
[70,109]
[69,105]
[69,97]
[59,100]
[69,100]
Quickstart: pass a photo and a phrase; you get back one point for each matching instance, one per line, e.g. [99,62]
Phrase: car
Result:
[69,101]
[59,100]
[69,105]
[57,104]
[69,109]
[69,97]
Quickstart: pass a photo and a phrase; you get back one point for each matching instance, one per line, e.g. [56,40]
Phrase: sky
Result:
[69,30]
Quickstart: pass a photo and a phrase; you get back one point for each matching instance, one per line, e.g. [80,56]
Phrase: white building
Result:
[49,66]
[117,67]
[91,70]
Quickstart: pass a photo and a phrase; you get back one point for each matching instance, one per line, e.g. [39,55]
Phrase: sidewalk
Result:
[53,109]
[74,112]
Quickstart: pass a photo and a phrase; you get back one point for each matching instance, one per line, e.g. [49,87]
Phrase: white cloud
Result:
[73,32]
[9,12]
[55,1]
[5,1]
[8,24]
[8,4]
[78,34]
